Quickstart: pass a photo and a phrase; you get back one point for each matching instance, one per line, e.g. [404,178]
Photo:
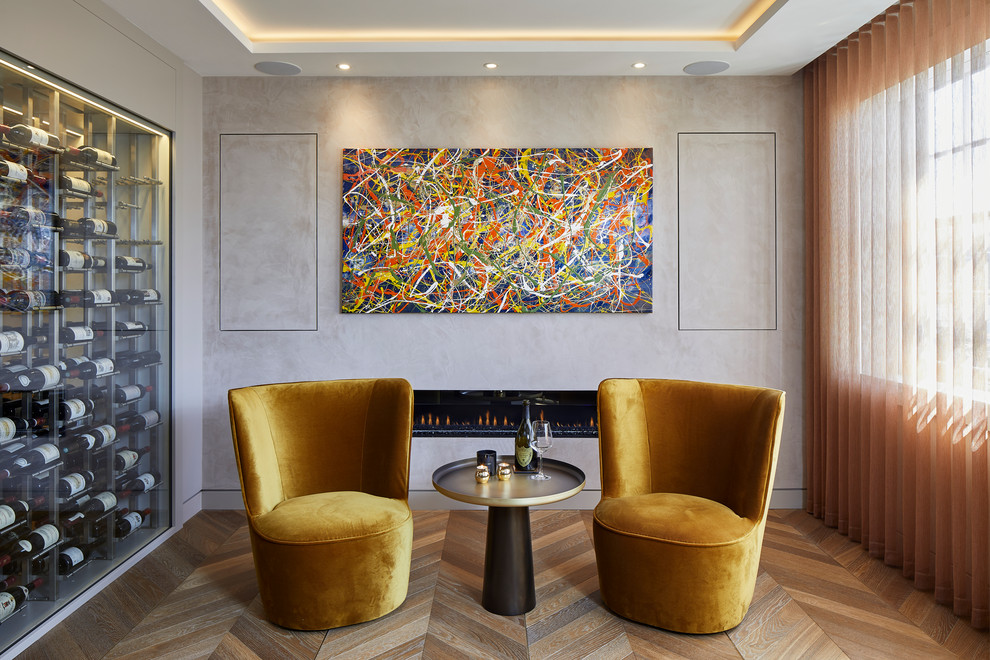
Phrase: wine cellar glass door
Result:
[85,374]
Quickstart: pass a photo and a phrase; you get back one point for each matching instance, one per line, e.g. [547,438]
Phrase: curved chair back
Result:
[294,439]
[715,441]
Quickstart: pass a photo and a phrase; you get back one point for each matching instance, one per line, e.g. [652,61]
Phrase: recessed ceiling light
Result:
[491,65]
[344,66]
[639,65]
[705,68]
[278,68]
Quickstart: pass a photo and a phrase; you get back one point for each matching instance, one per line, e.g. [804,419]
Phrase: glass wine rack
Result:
[85,373]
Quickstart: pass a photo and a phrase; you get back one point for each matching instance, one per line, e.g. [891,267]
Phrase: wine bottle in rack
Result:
[136,359]
[125,459]
[33,460]
[91,227]
[76,260]
[21,259]
[124,394]
[140,484]
[96,506]
[74,483]
[129,522]
[12,341]
[140,296]
[89,369]
[87,297]
[126,264]
[21,217]
[122,329]
[31,379]
[89,440]
[16,173]
[76,333]
[22,301]
[70,410]
[29,136]
[10,427]
[43,537]
[137,421]
[71,185]
[73,556]
[91,156]
[12,599]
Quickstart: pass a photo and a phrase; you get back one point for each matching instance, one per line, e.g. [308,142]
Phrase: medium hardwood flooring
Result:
[818,596]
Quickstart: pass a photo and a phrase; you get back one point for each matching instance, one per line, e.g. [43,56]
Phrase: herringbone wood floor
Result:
[818,596]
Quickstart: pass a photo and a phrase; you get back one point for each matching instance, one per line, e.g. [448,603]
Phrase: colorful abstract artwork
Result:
[497,230]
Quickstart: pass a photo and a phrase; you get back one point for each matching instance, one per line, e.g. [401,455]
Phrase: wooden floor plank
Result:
[818,595]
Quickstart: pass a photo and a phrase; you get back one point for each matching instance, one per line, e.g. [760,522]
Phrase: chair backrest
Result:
[710,440]
[293,439]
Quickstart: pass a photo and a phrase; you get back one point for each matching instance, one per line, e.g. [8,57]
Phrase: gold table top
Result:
[456,481]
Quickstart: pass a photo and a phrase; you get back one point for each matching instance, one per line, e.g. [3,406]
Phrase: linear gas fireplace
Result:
[495,413]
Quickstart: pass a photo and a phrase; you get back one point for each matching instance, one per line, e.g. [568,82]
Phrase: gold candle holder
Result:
[481,474]
[504,472]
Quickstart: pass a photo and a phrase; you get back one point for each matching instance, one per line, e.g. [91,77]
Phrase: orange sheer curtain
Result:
[897,121]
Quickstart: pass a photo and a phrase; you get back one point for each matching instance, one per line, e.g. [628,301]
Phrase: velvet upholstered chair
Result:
[324,470]
[687,471]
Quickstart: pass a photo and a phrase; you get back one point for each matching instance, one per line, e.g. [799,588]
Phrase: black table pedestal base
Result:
[509,586]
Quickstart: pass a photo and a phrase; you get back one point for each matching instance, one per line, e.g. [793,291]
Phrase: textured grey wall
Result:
[507,351]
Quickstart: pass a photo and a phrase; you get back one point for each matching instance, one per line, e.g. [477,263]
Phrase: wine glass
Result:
[542,441]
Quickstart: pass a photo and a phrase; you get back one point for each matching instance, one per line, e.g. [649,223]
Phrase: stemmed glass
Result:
[542,441]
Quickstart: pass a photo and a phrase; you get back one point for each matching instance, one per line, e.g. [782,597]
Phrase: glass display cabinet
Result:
[85,373]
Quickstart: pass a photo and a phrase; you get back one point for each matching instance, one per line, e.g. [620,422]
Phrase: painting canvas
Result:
[497,230]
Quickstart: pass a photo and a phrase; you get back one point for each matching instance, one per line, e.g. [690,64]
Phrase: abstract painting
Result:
[497,230]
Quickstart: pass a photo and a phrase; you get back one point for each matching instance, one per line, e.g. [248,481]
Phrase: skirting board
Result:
[431,500]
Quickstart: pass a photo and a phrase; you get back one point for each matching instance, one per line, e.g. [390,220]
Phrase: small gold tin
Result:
[481,474]
[504,472]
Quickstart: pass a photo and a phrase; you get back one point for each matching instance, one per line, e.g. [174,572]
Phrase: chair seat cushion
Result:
[331,517]
[674,518]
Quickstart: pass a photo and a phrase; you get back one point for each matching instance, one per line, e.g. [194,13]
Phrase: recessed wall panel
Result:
[727,253]
[268,229]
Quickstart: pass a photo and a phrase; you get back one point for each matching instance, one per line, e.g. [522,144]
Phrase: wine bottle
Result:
[132,421]
[90,369]
[141,484]
[129,522]
[22,301]
[71,185]
[20,217]
[72,556]
[12,171]
[130,393]
[21,258]
[76,408]
[126,264]
[36,458]
[125,459]
[38,378]
[12,341]
[74,334]
[91,156]
[100,504]
[12,599]
[524,442]
[10,427]
[76,260]
[43,537]
[136,359]
[140,296]
[74,483]
[87,227]
[123,329]
[29,136]
[86,297]
[93,438]
[13,512]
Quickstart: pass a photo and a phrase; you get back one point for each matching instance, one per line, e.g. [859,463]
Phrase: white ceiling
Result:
[524,37]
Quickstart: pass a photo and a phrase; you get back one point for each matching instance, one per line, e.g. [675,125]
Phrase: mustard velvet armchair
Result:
[687,470]
[324,470]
